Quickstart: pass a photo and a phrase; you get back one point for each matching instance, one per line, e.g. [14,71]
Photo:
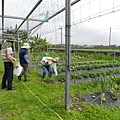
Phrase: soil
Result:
[95,98]
[78,103]
[49,81]
[81,102]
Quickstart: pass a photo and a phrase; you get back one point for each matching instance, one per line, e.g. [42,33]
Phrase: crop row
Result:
[89,67]
[89,74]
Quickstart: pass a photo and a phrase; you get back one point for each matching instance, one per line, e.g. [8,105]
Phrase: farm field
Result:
[83,37]
[44,99]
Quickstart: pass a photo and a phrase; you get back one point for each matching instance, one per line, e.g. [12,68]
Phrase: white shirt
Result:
[50,63]
[5,52]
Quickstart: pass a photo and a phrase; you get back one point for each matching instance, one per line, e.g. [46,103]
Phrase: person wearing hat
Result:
[9,61]
[24,61]
[52,63]
[49,63]
[45,66]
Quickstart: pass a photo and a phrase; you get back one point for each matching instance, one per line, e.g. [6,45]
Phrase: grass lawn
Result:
[36,100]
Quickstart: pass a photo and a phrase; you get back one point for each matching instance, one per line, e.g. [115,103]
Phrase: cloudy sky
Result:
[90,20]
[90,23]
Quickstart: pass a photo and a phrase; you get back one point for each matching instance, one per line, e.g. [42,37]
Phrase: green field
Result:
[36,100]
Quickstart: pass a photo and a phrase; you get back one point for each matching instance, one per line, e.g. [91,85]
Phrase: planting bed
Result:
[97,99]
[81,101]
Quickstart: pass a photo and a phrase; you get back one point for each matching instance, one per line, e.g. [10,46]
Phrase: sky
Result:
[91,21]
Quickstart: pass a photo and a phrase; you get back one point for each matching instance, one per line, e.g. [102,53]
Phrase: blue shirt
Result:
[22,53]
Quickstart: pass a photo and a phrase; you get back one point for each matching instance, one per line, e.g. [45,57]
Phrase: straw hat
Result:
[57,59]
[26,45]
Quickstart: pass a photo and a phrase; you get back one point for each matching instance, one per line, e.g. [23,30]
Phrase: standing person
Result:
[45,66]
[24,61]
[9,63]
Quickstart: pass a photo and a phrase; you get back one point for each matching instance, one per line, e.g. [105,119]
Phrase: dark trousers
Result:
[8,75]
[46,68]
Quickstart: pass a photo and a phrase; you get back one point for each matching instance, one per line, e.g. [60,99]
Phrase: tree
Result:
[40,44]
[11,34]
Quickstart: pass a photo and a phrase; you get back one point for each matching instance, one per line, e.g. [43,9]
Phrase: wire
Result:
[87,18]
[96,31]
[41,101]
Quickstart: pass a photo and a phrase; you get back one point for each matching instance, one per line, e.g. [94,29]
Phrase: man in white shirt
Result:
[49,63]
[45,66]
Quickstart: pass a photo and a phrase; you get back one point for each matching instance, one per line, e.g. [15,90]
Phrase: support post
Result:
[74,76]
[67,52]
[61,34]
[18,41]
[28,40]
[2,20]
[110,38]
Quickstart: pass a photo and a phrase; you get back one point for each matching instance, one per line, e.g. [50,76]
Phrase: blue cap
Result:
[46,54]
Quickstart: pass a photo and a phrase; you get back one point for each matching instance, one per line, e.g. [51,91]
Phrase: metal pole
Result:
[73,3]
[28,39]
[30,13]
[110,38]
[18,41]
[67,52]
[21,18]
[61,34]
[2,20]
